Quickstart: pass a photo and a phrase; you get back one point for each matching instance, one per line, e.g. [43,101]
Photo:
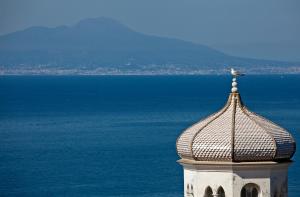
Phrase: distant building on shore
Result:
[235,153]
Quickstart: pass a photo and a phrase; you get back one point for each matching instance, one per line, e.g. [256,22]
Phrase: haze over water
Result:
[116,135]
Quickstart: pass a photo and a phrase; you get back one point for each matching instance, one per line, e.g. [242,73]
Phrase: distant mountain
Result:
[106,43]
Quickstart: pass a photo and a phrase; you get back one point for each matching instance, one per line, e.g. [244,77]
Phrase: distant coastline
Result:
[103,46]
[144,70]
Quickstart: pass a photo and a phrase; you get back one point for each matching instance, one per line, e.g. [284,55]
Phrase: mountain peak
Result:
[100,22]
[105,42]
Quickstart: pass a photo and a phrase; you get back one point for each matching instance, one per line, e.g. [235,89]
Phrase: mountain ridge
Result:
[97,43]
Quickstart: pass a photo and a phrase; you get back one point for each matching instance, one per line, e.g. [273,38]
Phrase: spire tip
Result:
[235,74]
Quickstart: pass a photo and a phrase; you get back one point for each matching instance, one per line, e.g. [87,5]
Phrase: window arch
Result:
[221,192]
[208,192]
[250,190]
[189,190]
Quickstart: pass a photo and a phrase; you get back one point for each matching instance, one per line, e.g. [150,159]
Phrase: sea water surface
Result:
[115,135]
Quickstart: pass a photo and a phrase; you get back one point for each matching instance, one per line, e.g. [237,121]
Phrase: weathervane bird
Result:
[236,73]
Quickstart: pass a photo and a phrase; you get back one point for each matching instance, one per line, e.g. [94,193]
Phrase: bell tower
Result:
[235,153]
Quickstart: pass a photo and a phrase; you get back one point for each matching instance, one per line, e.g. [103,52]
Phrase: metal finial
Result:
[235,74]
[234,88]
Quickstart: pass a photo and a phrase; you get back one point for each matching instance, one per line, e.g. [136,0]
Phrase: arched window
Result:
[189,190]
[250,190]
[221,192]
[208,192]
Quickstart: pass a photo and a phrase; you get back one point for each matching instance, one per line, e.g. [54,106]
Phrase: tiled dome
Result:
[235,134]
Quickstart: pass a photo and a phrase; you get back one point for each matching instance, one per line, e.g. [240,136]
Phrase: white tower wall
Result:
[269,177]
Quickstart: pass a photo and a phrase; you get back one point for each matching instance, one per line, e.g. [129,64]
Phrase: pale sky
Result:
[268,29]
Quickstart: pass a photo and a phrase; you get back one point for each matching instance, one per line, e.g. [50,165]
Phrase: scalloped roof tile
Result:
[235,134]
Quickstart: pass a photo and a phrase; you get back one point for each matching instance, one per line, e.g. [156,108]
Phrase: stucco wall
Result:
[271,179]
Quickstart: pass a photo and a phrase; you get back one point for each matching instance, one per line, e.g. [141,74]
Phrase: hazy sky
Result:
[251,28]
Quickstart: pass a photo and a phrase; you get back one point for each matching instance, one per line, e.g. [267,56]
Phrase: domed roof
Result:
[235,134]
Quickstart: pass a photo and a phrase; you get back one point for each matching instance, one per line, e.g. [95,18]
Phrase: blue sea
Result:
[115,135]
